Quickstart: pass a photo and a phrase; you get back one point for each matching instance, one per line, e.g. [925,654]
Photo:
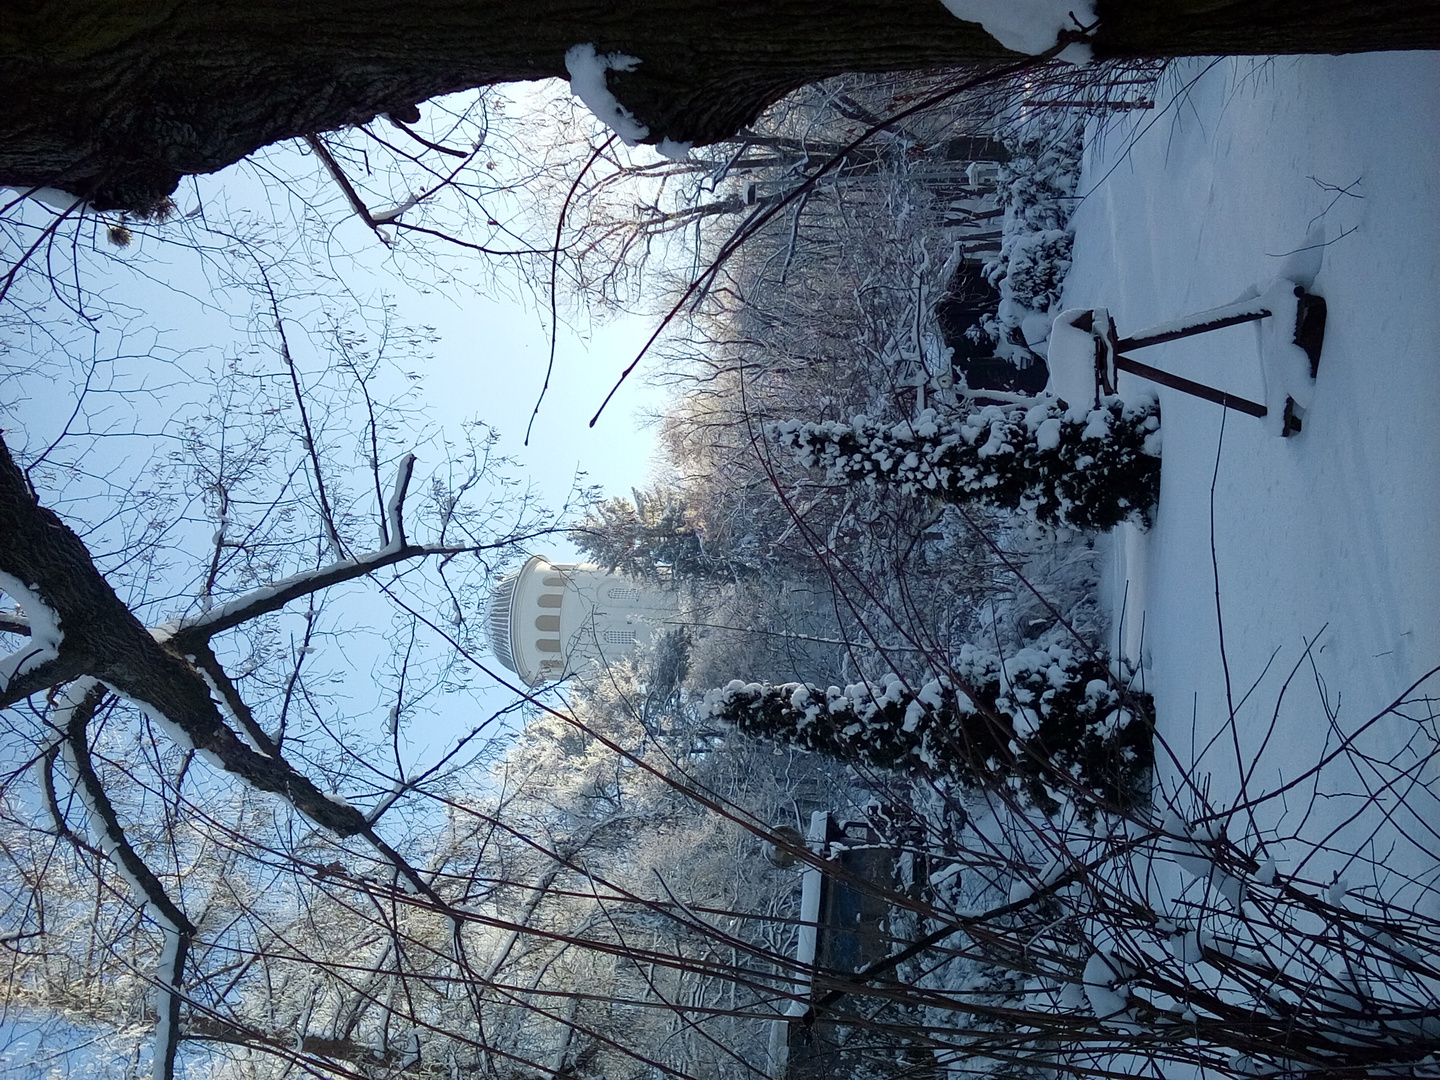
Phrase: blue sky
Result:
[492,335]
[490,362]
[168,318]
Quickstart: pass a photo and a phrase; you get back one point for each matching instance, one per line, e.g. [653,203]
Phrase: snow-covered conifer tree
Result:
[1067,467]
[1049,722]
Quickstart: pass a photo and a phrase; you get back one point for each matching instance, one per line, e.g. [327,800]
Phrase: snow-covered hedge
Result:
[1036,187]
[1035,268]
[1081,470]
[1027,723]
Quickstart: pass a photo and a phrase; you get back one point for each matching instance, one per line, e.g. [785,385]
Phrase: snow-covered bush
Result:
[1043,172]
[1036,187]
[1049,723]
[995,989]
[1036,269]
[1081,470]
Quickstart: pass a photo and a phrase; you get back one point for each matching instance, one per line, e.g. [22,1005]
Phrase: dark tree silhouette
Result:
[116,101]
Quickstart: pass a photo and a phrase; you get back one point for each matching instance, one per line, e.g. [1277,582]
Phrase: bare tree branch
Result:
[81,700]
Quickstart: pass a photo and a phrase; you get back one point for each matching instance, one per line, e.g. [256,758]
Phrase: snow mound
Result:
[1105,987]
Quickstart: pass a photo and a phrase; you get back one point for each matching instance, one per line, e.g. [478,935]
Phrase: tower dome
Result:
[549,621]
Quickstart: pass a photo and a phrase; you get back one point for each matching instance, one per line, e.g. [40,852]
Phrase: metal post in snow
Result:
[1200,323]
[1188,386]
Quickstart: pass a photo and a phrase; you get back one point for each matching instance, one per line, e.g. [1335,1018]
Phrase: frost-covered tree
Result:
[651,537]
[198,647]
[1036,187]
[672,902]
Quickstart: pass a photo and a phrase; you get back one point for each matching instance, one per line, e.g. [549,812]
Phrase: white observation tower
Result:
[549,621]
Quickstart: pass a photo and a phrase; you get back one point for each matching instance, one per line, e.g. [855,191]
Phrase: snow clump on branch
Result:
[587,82]
[1029,26]
[45,633]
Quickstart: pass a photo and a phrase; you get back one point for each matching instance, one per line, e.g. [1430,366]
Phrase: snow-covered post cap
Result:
[1081,357]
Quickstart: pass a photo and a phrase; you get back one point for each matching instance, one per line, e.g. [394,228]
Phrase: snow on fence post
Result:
[1049,723]
[1068,467]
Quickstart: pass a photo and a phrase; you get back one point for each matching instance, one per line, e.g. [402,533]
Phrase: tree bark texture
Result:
[116,100]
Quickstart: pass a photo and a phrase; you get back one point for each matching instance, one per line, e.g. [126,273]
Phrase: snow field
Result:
[1327,537]
[1324,544]
[1267,899]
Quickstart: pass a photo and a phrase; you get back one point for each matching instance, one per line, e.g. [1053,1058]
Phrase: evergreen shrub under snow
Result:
[1036,267]
[1070,468]
[1046,722]
[1036,187]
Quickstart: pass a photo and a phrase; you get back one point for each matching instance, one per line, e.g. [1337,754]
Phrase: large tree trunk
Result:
[115,100]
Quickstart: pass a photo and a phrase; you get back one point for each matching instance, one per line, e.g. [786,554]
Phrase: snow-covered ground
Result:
[1327,538]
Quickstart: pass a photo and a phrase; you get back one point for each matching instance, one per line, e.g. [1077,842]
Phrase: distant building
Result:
[549,621]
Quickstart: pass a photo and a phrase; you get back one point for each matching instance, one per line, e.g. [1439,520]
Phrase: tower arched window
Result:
[549,600]
[619,637]
[548,623]
[548,644]
[618,592]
